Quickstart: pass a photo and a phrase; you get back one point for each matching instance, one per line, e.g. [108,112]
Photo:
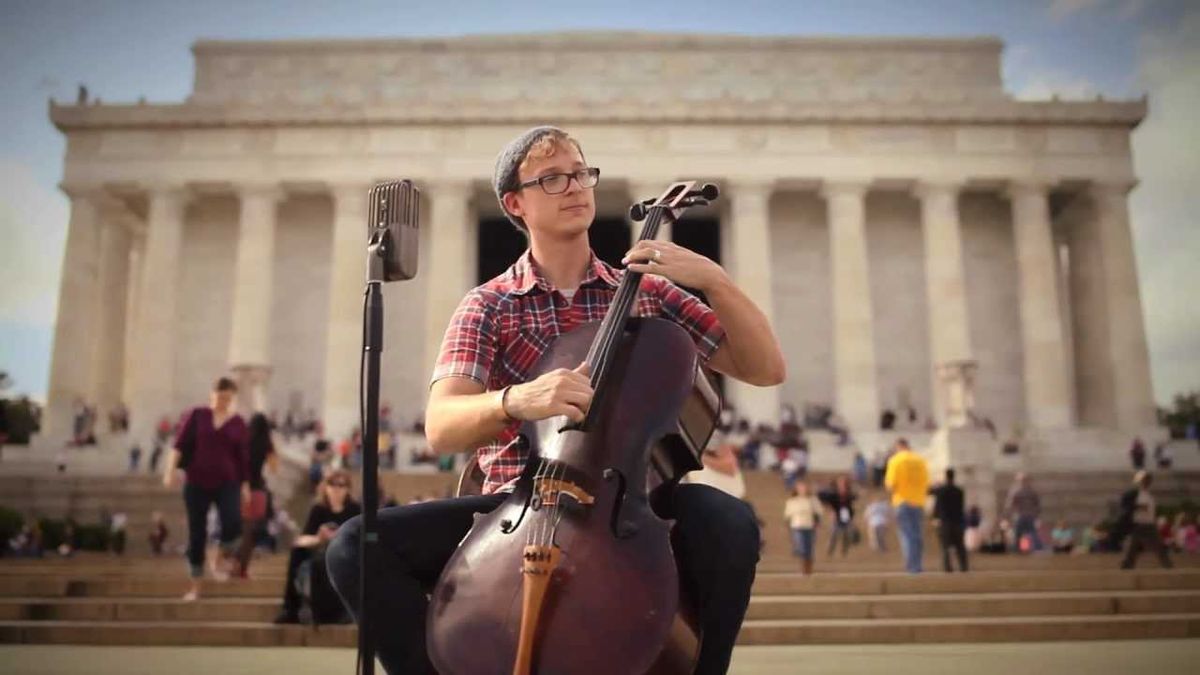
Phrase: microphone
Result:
[394,210]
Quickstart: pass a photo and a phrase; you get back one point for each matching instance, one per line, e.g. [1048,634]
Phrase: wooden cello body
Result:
[574,574]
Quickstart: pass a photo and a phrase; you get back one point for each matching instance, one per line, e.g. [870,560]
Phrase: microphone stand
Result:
[377,249]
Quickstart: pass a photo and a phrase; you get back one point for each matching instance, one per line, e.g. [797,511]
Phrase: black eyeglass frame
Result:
[592,173]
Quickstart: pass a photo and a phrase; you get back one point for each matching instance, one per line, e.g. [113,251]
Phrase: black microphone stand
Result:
[377,250]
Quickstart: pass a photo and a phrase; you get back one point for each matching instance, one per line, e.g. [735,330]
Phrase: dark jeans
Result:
[716,542]
[229,511]
[1143,537]
[842,530]
[951,536]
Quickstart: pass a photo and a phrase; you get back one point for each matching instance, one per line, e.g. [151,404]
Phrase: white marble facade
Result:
[889,204]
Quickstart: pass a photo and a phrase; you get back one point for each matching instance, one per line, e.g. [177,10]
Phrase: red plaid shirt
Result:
[501,329]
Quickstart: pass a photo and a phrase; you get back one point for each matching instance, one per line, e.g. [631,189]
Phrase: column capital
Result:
[1028,187]
[348,190]
[1111,187]
[856,189]
[750,186]
[930,188]
[645,188]
[446,187]
[171,191]
[76,190]
[267,190]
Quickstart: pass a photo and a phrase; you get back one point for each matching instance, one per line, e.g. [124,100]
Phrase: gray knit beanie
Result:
[509,161]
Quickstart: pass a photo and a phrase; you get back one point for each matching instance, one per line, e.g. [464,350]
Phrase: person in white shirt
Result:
[802,512]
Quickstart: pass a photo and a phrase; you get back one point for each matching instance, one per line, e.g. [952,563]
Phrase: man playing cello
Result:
[479,397]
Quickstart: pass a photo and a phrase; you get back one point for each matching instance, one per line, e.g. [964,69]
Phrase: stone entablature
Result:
[597,78]
[597,68]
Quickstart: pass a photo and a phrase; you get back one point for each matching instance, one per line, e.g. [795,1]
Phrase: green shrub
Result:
[11,521]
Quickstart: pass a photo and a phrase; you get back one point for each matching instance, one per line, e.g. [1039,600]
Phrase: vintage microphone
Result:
[393,214]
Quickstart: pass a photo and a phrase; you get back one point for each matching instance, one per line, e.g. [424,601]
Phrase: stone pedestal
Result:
[972,454]
[956,387]
[252,388]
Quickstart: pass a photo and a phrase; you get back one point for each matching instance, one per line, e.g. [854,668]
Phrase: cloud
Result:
[1166,203]
[33,226]
[1058,10]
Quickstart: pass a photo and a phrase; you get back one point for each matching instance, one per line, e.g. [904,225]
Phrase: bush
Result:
[92,537]
[10,524]
[23,417]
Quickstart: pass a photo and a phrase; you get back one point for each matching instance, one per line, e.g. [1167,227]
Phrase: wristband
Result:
[504,406]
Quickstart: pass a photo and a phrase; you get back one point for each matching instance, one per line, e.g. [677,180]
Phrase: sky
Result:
[128,49]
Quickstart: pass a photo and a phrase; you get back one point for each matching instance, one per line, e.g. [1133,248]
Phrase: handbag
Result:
[256,508]
[186,443]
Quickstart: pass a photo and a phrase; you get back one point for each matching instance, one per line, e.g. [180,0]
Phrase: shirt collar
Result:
[527,276]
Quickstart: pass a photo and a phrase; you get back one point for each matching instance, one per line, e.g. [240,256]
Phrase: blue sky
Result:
[134,48]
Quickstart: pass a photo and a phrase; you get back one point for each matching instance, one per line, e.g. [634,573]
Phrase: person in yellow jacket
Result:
[907,478]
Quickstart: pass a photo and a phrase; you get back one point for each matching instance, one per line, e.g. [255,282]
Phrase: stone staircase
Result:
[98,600]
[860,598]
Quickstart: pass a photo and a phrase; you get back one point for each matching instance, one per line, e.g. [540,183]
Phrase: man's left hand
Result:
[684,267]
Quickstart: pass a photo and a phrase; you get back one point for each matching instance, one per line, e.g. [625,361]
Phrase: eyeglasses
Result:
[339,485]
[557,183]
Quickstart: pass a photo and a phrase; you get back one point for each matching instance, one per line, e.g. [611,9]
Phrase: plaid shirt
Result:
[503,327]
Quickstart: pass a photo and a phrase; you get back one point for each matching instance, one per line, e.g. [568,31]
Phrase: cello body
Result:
[610,602]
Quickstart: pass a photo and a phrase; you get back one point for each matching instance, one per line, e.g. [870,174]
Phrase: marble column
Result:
[133,293]
[1130,359]
[451,259]
[347,282]
[250,332]
[69,363]
[1049,402]
[857,395]
[639,190]
[749,236]
[108,346]
[945,286]
[154,374]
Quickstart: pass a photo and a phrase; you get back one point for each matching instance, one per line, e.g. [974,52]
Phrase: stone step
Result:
[978,582]
[767,607]
[957,629]
[754,632]
[790,607]
[123,587]
[177,633]
[770,583]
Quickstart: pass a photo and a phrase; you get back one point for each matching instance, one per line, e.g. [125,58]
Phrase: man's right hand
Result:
[558,392]
[169,480]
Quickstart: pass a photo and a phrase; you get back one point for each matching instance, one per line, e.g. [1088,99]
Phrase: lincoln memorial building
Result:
[919,238]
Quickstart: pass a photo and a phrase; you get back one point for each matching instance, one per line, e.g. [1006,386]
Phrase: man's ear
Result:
[512,204]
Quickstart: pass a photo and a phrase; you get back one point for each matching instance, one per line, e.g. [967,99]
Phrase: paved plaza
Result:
[1160,657]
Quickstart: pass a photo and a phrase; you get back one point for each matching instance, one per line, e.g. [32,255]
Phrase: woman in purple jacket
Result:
[211,449]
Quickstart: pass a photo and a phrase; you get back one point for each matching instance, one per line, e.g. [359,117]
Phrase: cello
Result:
[574,574]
